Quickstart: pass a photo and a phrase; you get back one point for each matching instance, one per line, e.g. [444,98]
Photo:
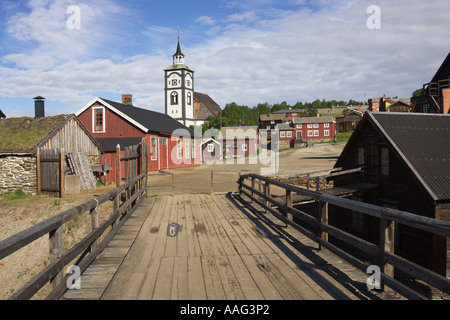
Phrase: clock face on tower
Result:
[174,82]
[188,83]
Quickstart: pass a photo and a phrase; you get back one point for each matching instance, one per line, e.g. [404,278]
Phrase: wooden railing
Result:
[124,199]
[384,252]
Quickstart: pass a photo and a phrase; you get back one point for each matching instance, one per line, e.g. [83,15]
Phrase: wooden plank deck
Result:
[223,251]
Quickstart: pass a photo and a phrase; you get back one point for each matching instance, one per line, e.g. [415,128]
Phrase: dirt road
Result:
[198,179]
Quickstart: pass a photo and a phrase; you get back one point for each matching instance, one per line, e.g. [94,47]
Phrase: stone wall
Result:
[18,172]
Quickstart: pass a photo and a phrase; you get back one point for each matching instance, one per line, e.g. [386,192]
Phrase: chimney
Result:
[359,107]
[127,99]
[39,109]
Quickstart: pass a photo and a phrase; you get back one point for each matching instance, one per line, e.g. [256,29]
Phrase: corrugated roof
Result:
[152,120]
[272,116]
[241,132]
[313,119]
[423,141]
[110,144]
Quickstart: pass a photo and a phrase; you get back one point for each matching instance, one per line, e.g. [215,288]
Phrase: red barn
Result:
[171,144]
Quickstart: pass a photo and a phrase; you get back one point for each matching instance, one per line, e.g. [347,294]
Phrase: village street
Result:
[198,179]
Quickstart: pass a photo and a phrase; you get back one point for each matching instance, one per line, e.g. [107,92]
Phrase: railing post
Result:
[56,249]
[212,182]
[267,194]
[323,217]
[253,187]
[386,246]
[94,224]
[288,204]
[118,173]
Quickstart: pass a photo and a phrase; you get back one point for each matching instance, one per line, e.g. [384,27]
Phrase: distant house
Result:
[290,113]
[271,120]
[406,156]
[204,107]
[2,115]
[315,128]
[349,121]
[171,144]
[239,141]
[22,137]
[211,150]
[386,104]
[435,95]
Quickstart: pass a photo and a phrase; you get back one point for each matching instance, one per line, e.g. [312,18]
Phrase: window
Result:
[289,134]
[186,149]
[163,141]
[310,133]
[326,133]
[425,107]
[360,156]
[268,128]
[174,98]
[282,134]
[326,125]
[98,119]
[299,126]
[316,125]
[316,133]
[189,98]
[178,149]
[244,147]
[211,147]
[153,149]
[385,161]
[193,149]
[272,122]
[294,114]
[309,125]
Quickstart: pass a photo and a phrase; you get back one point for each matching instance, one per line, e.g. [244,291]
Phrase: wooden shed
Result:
[406,155]
[24,138]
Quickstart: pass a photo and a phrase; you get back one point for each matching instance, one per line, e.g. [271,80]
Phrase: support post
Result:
[62,159]
[94,224]
[323,216]
[118,173]
[386,245]
[56,248]
[289,204]
[38,170]
[267,194]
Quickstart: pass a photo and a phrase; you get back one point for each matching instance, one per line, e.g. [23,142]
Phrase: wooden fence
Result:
[384,252]
[124,198]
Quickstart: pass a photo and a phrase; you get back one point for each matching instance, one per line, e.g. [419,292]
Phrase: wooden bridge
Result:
[223,250]
[245,245]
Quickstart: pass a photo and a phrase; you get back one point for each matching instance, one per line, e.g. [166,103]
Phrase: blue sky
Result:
[241,51]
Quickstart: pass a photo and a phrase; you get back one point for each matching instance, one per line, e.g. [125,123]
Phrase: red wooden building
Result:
[171,144]
[308,128]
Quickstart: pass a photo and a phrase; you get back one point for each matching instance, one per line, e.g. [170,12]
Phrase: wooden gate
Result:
[50,171]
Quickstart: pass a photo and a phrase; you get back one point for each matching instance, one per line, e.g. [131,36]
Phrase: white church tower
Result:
[179,89]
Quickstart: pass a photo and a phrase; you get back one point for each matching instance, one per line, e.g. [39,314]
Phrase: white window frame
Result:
[210,147]
[179,148]
[326,125]
[326,133]
[316,133]
[244,147]
[315,125]
[309,125]
[282,134]
[310,133]
[94,120]
[289,134]
[299,125]
[186,149]
[153,155]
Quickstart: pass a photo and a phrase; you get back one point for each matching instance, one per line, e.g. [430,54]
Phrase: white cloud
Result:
[205,20]
[291,54]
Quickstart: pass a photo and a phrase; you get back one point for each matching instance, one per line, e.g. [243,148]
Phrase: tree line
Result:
[235,115]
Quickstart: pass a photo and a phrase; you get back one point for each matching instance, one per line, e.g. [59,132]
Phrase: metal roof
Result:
[423,142]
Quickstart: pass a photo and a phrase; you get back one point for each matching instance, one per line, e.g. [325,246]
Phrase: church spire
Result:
[178,57]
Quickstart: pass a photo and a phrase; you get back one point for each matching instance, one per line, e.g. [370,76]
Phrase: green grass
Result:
[344,136]
[16,195]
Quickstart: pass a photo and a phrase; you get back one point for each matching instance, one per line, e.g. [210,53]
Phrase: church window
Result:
[174,98]
[189,98]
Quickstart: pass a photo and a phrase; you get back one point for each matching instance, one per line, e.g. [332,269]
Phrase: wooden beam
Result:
[38,170]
